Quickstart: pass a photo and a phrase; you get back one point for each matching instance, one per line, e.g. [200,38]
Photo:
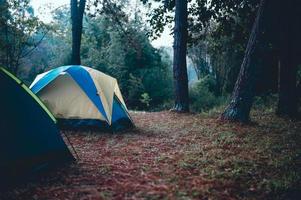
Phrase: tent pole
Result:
[73,149]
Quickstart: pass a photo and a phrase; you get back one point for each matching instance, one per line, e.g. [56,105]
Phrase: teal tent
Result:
[30,141]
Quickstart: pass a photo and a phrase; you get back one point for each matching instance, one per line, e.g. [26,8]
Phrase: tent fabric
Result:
[84,80]
[43,79]
[119,112]
[30,140]
[81,96]
[80,75]
[64,93]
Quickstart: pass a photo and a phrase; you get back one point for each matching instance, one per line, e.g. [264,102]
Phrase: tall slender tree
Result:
[243,93]
[179,60]
[288,61]
[77,13]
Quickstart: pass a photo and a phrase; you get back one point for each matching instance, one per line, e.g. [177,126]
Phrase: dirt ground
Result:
[179,156]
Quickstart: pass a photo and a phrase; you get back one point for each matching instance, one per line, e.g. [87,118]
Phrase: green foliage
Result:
[218,33]
[120,49]
[202,96]
[201,12]
[145,99]
[266,102]
[53,51]
[199,57]
[129,57]
[135,90]
[20,32]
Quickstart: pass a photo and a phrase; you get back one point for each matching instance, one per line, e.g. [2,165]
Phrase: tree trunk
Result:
[243,93]
[289,52]
[77,13]
[287,103]
[179,60]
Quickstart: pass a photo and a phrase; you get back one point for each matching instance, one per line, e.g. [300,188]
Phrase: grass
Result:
[179,156]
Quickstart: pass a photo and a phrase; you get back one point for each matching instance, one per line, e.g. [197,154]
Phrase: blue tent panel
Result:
[118,112]
[120,117]
[45,80]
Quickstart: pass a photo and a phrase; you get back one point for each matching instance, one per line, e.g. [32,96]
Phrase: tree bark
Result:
[77,13]
[287,103]
[243,93]
[179,60]
[289,52]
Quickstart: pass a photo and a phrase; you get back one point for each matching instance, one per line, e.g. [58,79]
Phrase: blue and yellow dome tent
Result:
[30,140]
[82,97]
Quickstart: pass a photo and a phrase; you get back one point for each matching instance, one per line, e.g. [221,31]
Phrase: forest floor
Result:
[179,156]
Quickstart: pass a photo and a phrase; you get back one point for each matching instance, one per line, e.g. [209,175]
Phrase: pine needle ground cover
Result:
[179,156]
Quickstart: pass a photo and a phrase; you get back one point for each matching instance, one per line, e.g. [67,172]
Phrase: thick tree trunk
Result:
[243,93]
[179,60]
[289,52]
[77,13]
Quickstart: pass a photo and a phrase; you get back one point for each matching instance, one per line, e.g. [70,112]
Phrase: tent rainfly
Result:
[82,97]
[30,141]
